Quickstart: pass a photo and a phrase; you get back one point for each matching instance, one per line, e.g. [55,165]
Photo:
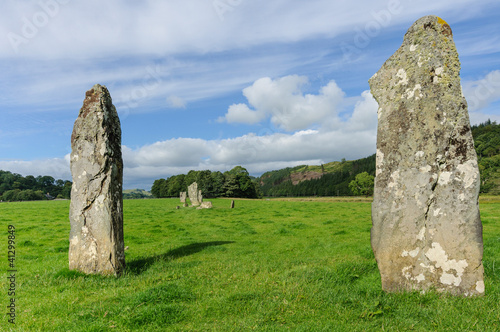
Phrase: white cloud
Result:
[176,102]
[284,102]
[240,113]
[364,116]
[481,93]
[58,168]
[75,29]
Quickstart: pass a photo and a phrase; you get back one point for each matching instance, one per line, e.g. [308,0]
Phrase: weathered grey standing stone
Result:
[194,194]
[232,204]
[183,196]
[96,215]
[426,233]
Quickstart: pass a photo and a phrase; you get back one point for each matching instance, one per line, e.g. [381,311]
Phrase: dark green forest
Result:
[15,187]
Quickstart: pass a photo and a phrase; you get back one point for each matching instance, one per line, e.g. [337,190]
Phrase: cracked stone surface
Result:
[96,214]
[427,232]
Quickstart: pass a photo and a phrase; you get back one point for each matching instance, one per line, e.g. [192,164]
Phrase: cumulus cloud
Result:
[58,168]
[364,116]
[241,113]
[481,93]
[283,101]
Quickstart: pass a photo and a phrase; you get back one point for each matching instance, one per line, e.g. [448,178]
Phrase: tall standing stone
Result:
[183,197]
[96,214]
[194,194]
[427,232]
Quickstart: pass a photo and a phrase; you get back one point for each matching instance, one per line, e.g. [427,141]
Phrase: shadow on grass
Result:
[138,266]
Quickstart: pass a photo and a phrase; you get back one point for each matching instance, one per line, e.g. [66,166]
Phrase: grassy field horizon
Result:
[301,264]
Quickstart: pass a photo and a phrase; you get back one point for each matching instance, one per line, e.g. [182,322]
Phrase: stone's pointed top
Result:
[94,97]
[97,88]
[431,23]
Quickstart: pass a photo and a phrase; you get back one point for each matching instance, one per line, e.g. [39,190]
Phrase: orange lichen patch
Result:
[445,27]
[441,21]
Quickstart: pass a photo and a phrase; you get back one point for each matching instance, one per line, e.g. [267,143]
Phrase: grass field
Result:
[267,265]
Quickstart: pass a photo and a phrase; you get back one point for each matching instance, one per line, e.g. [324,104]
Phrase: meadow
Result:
[267,265]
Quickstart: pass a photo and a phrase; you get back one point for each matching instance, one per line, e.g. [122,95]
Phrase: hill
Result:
[136,193]
[332,179]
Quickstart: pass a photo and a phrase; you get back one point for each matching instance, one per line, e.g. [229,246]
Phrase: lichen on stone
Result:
[427,180]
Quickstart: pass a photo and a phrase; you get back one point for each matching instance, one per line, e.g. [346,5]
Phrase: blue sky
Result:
[211,84]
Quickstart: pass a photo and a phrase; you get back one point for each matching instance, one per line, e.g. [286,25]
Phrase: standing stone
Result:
[427,232]
[183,197]
[194,194]
[96,214]
[232,204]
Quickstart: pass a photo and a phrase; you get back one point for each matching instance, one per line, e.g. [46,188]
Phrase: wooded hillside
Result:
[333,179]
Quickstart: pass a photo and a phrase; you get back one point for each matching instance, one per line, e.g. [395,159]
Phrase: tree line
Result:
[234,183]
[487,143]
[237,182]
[15,187]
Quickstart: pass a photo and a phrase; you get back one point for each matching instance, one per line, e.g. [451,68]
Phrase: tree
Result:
[159,188]
[218,183]
[66,191]
[231,186]
[239,183]
[362,184]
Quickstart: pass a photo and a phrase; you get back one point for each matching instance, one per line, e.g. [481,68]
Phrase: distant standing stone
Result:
[232,204]
[183,197]
[427,231]
[96,210]
[205,205]
[194,194]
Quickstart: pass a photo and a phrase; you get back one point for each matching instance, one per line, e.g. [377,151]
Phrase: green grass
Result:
[267,265]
